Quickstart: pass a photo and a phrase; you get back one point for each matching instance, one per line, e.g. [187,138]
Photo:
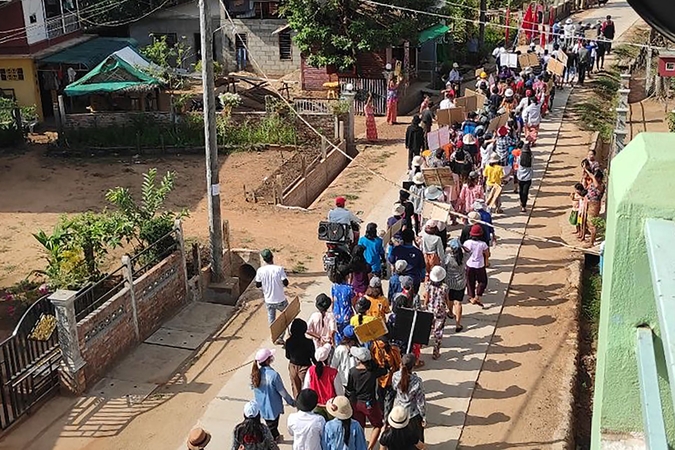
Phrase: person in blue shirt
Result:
[269,390]
[342,294]
[486,217]
[416,268]
[343,432]
[395,280]
[374,246]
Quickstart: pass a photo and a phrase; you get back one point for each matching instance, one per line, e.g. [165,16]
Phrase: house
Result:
[179,24]
[259,29]
[29,28]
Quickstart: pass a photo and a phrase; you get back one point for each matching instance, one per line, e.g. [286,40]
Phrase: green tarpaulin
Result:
[111,75]
[88,53]
[432,33]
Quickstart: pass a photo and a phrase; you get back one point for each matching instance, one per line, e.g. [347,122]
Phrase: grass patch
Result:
[596,115]
[351,197]
[299,268]
[591,288]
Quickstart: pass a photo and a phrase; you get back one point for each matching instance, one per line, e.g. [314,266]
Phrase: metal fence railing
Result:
[144,260]
[91,297]
[658,235]
[312,105]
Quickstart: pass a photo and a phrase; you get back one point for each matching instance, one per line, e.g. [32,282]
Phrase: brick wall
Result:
[313,78]
[106,335]
[262,44]
[106,119]
[308,188]
[159,293]
[109,332]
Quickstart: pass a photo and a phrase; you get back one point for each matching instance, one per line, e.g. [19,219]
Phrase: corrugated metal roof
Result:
[89,53]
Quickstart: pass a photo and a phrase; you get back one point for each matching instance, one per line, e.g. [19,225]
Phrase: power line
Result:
[444,206]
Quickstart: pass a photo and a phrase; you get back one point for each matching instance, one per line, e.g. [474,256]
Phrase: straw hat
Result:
[339,407]
[398,210]
[433,193]
[198,439]
[473,216]
[418,178]
[438,273]
[361,354]
[469,139]
[398,417]
[401,265]
[478,204]
[417,161]
[494,159]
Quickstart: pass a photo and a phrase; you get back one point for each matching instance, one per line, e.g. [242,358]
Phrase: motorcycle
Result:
[338,245]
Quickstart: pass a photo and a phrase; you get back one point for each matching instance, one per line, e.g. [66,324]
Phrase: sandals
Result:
[458,328]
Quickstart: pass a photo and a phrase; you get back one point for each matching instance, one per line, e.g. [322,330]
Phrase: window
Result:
[266,10]
[670,66]
[11,74]
[285,47]
[171,38]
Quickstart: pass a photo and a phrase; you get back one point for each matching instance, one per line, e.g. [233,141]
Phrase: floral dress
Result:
[436,297]
[342,307]
[371,127]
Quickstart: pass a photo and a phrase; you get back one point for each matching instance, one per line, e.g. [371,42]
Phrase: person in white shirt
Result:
[532,120]
[272,280]
[447,102]
[486,150]
[340,214]
[305,426]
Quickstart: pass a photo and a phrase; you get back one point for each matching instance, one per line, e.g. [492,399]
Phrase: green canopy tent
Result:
[428,55]
[113,74]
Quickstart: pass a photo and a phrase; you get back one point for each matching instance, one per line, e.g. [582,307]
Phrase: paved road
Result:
[449,382]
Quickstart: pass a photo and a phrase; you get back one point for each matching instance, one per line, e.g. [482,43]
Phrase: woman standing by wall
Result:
[269,391]
[596,190]
[371,126]
[392,100]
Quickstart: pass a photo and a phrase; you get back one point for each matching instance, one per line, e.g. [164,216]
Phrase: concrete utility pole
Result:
[211,144]
[483,19]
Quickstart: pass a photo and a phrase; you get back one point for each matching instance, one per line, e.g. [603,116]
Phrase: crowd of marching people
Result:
[340,381]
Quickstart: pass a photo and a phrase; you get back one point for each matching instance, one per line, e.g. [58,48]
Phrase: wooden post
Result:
[279,191]
[324,148]
[226,241]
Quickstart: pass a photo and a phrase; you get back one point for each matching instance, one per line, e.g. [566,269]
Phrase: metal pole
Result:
[483,19]
[412,330]
[211,145]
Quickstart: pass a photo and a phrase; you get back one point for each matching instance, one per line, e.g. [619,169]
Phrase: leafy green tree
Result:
[169,58]
[333,32]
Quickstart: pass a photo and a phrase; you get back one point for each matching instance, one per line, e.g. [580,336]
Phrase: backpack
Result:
[526,159]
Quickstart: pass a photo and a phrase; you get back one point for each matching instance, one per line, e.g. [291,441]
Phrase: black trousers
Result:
[582,73]
[524,191]
[273,425]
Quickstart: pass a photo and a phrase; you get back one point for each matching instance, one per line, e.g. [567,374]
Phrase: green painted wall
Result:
[641,186]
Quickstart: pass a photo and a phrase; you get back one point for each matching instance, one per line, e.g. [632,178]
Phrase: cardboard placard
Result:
[481,99]
[591,34]
[556,67]
[433,211]
[562,57]
[371,330]
[469,103]
[444,136]
[403,326]
[284,319]
[443,117]
[493,195]
[438,176]
[391,232]
[528,60]
[497,122]
[509,60]
[457,115]
[433,140]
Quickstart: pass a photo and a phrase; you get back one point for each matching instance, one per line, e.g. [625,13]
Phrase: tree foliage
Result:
[333,32]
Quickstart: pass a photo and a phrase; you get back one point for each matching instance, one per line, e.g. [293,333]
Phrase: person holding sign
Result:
[271,278]
[392,100]
[436,301]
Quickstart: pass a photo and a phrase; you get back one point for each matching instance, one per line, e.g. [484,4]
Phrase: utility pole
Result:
[211,144]
[483,19]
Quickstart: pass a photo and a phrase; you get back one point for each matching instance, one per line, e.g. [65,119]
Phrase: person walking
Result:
[300,354]
[392,101]
[251,434]
[371,126]
[342,359]
[414,139]
[582,64]
[379,304]
[359,270]
[410,395]
[413,256]
[436,301]
[323,379]
[470,192]
[532,119]
[456,280]
[305,426]
[272,279]
[343,297]
[361,392]
[343,432]
[361,317]
[321,326]
[374,249]
[476,275]
[399,435]
[431,245]
[395,280]
[198,439]
[525,173]
[608,32]
[386,355]
[269,391]
[494,173]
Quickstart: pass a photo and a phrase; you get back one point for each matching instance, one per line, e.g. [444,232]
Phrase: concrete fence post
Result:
[178,226]
[72,373]
[128,274]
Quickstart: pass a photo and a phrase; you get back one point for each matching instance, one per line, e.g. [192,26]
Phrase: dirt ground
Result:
[534,343]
